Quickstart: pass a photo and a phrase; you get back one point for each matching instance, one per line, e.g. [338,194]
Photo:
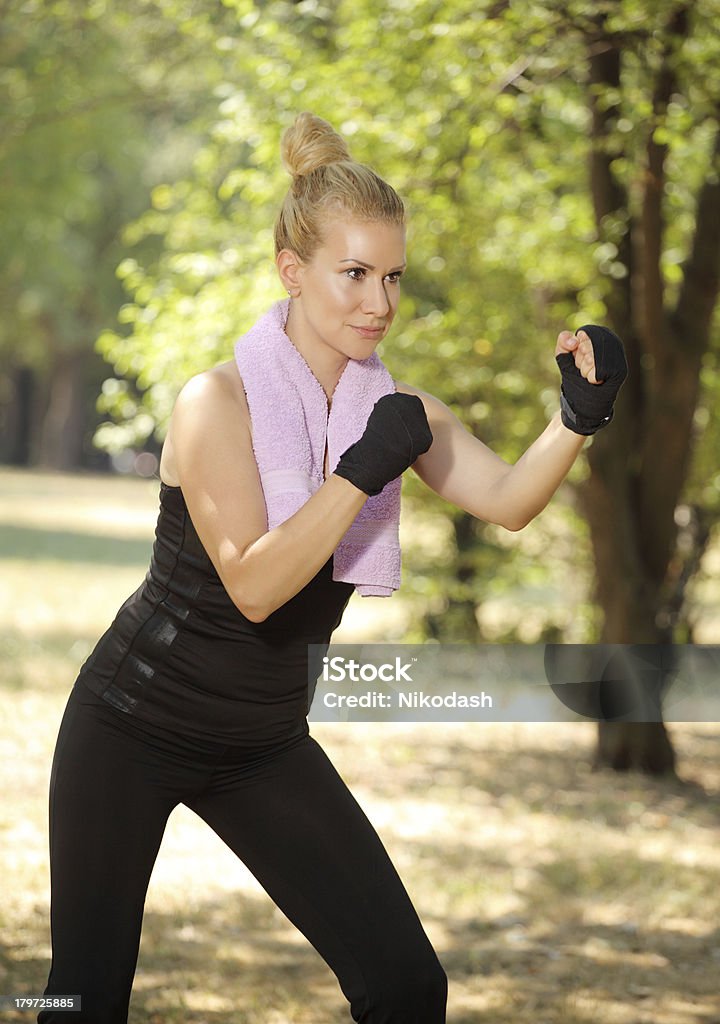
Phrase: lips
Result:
[368,332]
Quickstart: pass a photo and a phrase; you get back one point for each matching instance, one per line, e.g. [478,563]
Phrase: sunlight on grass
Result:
[553,894]
[85,503]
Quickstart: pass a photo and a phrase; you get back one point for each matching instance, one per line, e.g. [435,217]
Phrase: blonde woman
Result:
[279,495]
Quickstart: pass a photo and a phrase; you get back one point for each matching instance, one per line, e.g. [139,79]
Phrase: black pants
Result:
[284,811]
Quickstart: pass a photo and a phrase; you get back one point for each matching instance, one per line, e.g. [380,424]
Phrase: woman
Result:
[198,691]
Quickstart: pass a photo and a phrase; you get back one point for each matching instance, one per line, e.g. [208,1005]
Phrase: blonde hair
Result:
[326,180]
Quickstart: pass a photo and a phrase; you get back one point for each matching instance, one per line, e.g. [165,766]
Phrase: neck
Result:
[326,364]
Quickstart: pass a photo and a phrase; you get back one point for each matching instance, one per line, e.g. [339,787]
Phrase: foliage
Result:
[165,118]
[479,115]
[97,95]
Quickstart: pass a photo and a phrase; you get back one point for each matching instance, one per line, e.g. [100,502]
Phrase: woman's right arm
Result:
[216,467]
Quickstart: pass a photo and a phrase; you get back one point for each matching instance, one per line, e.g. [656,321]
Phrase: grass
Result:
[553,894]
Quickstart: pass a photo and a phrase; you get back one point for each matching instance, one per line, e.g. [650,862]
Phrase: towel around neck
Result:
[292,423]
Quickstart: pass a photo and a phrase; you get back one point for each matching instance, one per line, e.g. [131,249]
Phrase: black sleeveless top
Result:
[180,654]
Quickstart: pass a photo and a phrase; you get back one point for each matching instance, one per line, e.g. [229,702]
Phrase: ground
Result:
[553,894]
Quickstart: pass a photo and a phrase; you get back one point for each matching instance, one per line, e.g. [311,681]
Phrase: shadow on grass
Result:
[237,958]
[583,946]
[27,543]
[556,782]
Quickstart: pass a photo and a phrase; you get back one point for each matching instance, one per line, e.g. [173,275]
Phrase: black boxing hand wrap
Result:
[396,433]
[584,407]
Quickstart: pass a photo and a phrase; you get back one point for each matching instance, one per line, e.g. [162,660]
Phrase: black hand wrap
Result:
[586,407]
[396,433]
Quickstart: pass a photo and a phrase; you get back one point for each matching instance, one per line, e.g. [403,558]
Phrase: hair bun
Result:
[327,183]
[311,142]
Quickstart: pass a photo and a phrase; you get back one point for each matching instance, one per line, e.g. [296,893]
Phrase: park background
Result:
[560,166]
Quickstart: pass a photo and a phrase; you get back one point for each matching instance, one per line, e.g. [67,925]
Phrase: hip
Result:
[239,688]
[200,729]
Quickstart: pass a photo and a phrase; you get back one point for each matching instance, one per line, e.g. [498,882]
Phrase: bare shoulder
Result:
[210,403]
[221,384]
[215,400]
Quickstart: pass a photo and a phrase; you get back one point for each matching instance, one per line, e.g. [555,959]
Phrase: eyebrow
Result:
[370,266]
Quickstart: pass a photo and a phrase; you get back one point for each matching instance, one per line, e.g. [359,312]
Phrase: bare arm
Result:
[216,467]
[463,470]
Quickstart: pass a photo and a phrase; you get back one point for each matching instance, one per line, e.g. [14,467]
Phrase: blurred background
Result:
[560,165]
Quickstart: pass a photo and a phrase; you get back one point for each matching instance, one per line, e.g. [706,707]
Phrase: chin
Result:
[361,348]
[364,350]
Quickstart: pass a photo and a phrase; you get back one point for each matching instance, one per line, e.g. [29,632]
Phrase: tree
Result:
[542,148]
[632,495]
[96,99]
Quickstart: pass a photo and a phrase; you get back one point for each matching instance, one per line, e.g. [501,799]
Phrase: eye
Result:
[360,271]
[393,278]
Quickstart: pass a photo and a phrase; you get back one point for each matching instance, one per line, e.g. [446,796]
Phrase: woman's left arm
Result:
[463,470]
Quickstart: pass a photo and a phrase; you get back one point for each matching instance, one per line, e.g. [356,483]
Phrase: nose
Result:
[375,300]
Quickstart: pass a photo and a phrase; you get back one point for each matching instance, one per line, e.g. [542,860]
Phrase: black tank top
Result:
[180,654]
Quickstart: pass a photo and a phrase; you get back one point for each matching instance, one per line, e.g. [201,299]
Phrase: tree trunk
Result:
[636,746]
[629,597]
[639,466]
[63,427]
[16,403]
[458,620]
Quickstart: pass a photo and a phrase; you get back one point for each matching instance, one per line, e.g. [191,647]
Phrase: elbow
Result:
[250,607]
[511,522]
[516,519]
[253,611]
[515,525]
[245,592]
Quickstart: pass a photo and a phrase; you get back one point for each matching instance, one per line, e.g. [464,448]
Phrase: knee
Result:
[412,991]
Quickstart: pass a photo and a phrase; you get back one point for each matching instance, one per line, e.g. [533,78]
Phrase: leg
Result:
[297,827]
[106,824]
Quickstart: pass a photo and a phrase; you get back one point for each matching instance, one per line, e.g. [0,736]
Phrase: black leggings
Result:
[284,811]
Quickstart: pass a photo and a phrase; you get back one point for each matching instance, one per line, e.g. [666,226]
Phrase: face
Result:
[348,293]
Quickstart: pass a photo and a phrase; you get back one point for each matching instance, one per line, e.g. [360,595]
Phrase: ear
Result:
[290,271]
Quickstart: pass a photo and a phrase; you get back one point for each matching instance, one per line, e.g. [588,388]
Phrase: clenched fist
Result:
[593,367]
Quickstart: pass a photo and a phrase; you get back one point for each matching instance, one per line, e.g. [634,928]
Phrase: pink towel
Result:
[290,425]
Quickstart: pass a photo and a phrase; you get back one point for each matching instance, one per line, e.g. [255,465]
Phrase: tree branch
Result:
[653,284]
[668,442]
[692,316]
[609,196]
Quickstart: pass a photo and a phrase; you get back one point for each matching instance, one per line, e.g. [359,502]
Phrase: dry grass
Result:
[553,895]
